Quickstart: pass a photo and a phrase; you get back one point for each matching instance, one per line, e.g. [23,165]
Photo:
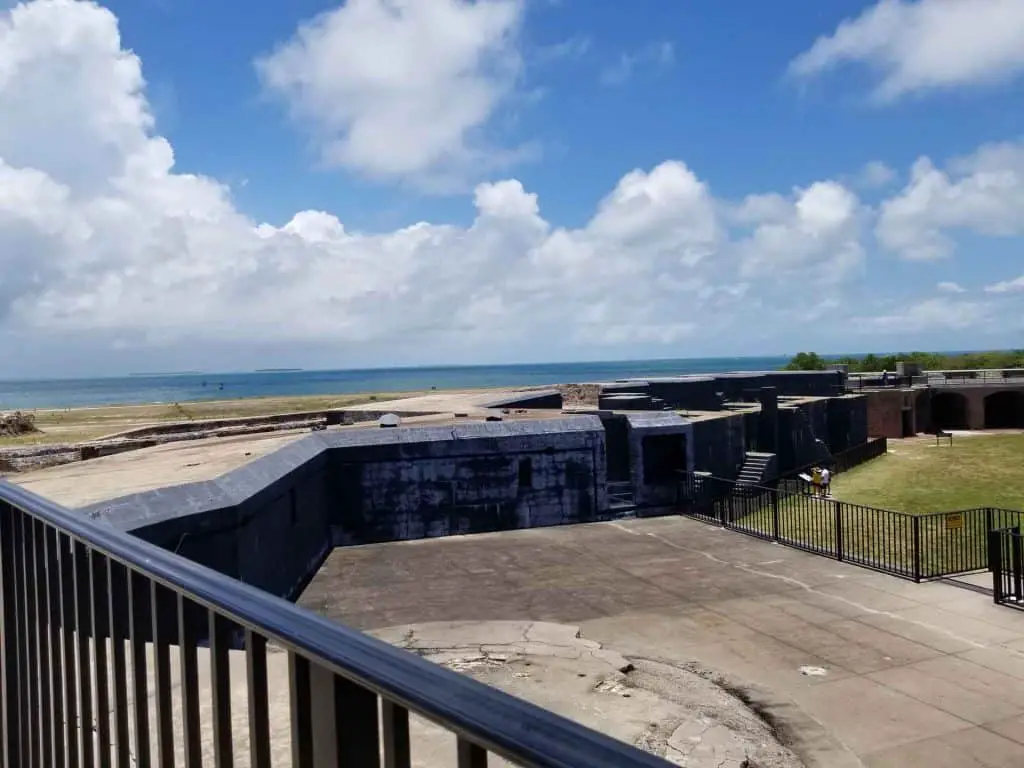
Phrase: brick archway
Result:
[1004,410]
[950,410]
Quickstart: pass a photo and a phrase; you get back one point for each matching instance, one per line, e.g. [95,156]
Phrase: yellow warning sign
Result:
[954,521]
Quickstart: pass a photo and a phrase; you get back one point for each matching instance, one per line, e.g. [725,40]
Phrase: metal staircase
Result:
[754,469]
[621,496]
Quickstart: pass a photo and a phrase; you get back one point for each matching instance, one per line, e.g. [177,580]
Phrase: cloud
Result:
[656,55]
[950,287]
[1007,286]
[816,232]
[402,89]
[928,315]
[983,193]
[575,47]
[875,175]
[925,45]
[101,238]
[105,248]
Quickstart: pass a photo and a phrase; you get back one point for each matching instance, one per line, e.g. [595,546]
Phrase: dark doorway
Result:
[1004,410]
[616,439]
[949,410]
[908,422]
[664,458]
[923,411]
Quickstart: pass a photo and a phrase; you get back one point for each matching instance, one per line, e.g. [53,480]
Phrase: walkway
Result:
[900,674]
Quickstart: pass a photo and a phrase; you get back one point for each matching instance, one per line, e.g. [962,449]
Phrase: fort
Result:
[519,460]
[573,510]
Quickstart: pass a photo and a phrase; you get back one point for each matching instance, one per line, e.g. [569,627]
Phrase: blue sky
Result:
[709,178]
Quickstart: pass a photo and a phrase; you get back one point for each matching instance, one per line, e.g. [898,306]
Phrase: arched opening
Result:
[1004,410]
[949,410]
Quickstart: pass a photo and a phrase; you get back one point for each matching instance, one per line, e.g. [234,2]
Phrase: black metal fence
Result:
[115,652]
[1006,555]
[910,546]
[852,457]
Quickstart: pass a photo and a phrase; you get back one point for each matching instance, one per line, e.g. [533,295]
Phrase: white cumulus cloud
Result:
[105,246]
[920,45]
[124,250]
[983,193]
[816,232]
[948,286]
[400,89]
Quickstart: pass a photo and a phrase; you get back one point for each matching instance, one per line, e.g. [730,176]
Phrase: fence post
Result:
[1016,565]
[995,565]
[915,526]
[10,725]
[839,529]
[775,514]
[988,526]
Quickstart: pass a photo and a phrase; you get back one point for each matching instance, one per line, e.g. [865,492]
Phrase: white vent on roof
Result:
[389,420]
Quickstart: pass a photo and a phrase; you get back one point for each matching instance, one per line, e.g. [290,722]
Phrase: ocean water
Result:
[125,390]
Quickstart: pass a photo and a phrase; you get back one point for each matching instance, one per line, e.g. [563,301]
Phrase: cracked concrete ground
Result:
[674,712]
[850,667]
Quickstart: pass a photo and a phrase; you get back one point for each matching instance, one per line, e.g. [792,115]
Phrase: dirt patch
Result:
[579,394]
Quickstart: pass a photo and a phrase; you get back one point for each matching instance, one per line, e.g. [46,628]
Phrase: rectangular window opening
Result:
[526,473]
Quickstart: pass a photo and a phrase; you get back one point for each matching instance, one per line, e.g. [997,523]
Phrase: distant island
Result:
[929,361]
[168,373]
[278,370]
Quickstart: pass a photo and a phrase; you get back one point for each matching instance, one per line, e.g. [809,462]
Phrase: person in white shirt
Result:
[826,482]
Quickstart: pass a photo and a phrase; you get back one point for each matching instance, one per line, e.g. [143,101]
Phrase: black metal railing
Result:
[981,377]
[1006,560]
[844,461]
[118,653]
[911,546]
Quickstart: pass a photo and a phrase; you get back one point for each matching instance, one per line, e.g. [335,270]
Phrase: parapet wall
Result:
[710,393]
[270,523]
[481,477]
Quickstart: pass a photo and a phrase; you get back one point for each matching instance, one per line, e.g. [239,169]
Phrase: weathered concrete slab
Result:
[83,483]
[903,674]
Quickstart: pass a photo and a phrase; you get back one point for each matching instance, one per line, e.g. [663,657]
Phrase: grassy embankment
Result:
[80,424]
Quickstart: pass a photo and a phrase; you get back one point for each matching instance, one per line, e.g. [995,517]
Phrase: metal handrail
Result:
[514,729]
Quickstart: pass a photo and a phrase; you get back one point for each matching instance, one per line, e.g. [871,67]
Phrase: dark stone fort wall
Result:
[271,523]
[400,492]
[720,444]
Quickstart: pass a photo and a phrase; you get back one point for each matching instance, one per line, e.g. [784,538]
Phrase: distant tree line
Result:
[931,361]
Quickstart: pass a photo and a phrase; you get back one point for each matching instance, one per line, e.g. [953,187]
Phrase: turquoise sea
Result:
[170,388]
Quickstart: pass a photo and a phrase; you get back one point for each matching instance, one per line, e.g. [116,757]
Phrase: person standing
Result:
[816,481]
[826,482]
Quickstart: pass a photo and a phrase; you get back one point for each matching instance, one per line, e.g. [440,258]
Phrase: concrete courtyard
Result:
[845,666]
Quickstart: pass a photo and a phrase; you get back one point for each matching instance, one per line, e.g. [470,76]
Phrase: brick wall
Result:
[885,413]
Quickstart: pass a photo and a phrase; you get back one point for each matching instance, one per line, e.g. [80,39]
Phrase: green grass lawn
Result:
[917,476]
